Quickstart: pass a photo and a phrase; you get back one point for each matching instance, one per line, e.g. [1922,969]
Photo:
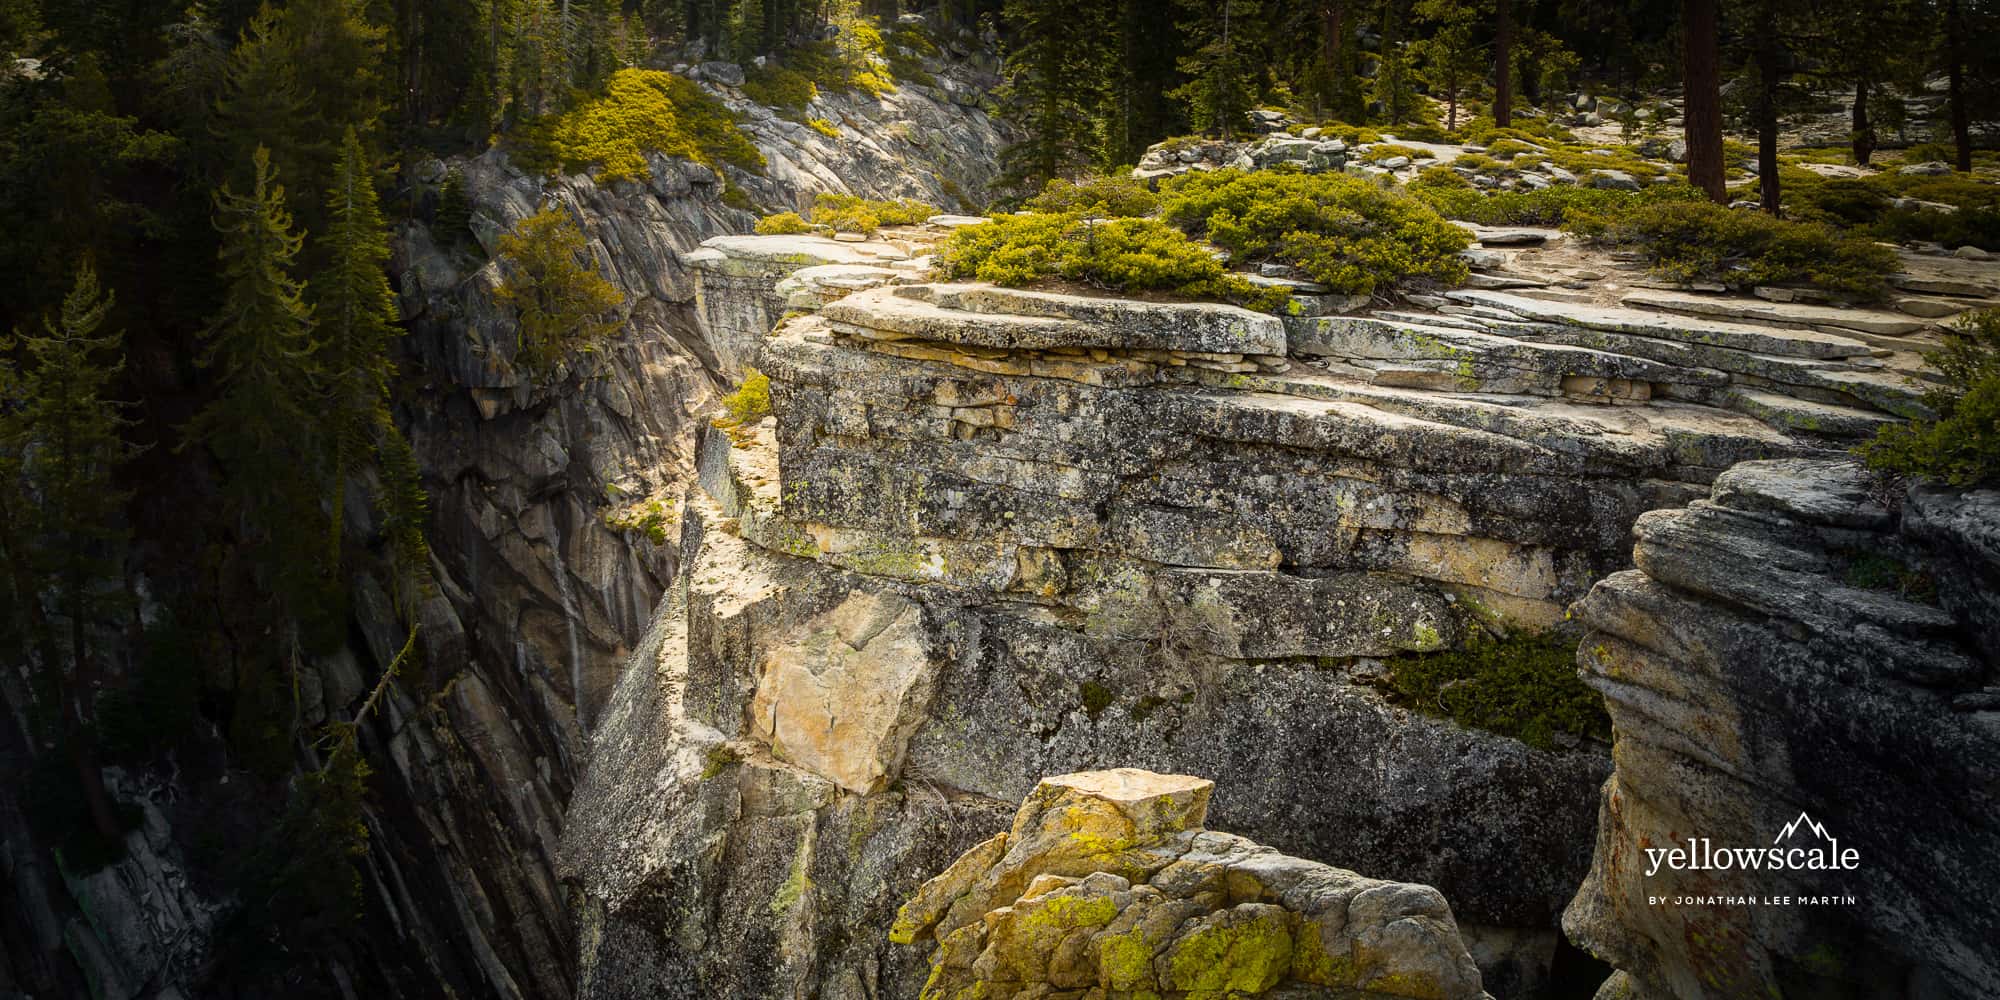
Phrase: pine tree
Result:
[1224,68]
[357,316]
[1450,56]
[1393,87]
[264,426]
[561,299]
[1055,87]
[66,537]
[264,102]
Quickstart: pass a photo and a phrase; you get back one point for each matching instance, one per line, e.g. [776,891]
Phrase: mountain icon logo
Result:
[1793,827]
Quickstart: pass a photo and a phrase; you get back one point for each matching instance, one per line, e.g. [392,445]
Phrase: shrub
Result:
[1545,207]
[778,86]
[1116,254]
[750,402]
[846,213]
[1540,131]
[641,111]
[552,281]
[1703,241]
[823,127]
[452,223]
[1476,161]
[1353,135]
[907,47]
[1962,446]
[1383,151]
[783,224]
[1111,196]
[1510,147]
[1524,686]
[1343,231]
[1439,177]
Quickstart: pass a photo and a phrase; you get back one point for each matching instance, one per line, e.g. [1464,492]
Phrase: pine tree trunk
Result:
[1701,112]
[1954,49]
[1503,65]
[1765,53]
[1864,131]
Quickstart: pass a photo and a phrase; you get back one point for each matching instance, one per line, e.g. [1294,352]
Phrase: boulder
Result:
[1932,168]
[1107,882]
[1613,180]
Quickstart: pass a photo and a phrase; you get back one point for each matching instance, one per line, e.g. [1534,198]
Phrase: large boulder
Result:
[1106,881]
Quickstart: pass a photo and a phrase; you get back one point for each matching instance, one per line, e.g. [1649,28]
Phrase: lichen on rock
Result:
[1173,911]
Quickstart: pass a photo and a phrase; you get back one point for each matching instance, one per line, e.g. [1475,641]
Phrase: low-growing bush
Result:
[783,224]
[1343,231]
[778,86]
[1439,177]
[1109,195]
[1962,446]
[1481,131]
[1388,150]
[846,213]
[1547,206]
[1703,241]
[1131,255]
[1353,135]
[1509,147]
[823,127]
[641,111]
[1524,686]
[749,403]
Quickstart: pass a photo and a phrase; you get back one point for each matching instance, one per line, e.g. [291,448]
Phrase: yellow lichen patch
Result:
[1248,951]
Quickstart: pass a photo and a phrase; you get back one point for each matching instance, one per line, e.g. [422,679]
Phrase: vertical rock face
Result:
[1107,882]
[1794,666]
[552,501]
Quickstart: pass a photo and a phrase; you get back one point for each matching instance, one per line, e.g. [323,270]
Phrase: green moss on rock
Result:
[1524,686]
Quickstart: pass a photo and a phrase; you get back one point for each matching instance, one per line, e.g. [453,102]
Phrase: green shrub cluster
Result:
[749,403]
[846,213]
[1389,150]
[1548,206]
[1131,255]
[1866,205]
[1110,196]
[1482,131]
[783,224]
[1524,686]
[1702,241]
[1961,447]
[1439,177]
[907,47]
[1345,232]
[641,111]
[776,85]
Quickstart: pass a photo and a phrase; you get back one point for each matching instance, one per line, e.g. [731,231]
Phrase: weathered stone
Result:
[1797,314]
[842,697]
[1108,882]
[1734,662]
[1018,320]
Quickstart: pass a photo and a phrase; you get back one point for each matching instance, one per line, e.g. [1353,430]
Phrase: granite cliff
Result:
[989,535]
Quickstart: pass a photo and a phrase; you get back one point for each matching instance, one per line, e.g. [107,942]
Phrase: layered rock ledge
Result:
[1794,663]
[989,534]
[1107,885]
